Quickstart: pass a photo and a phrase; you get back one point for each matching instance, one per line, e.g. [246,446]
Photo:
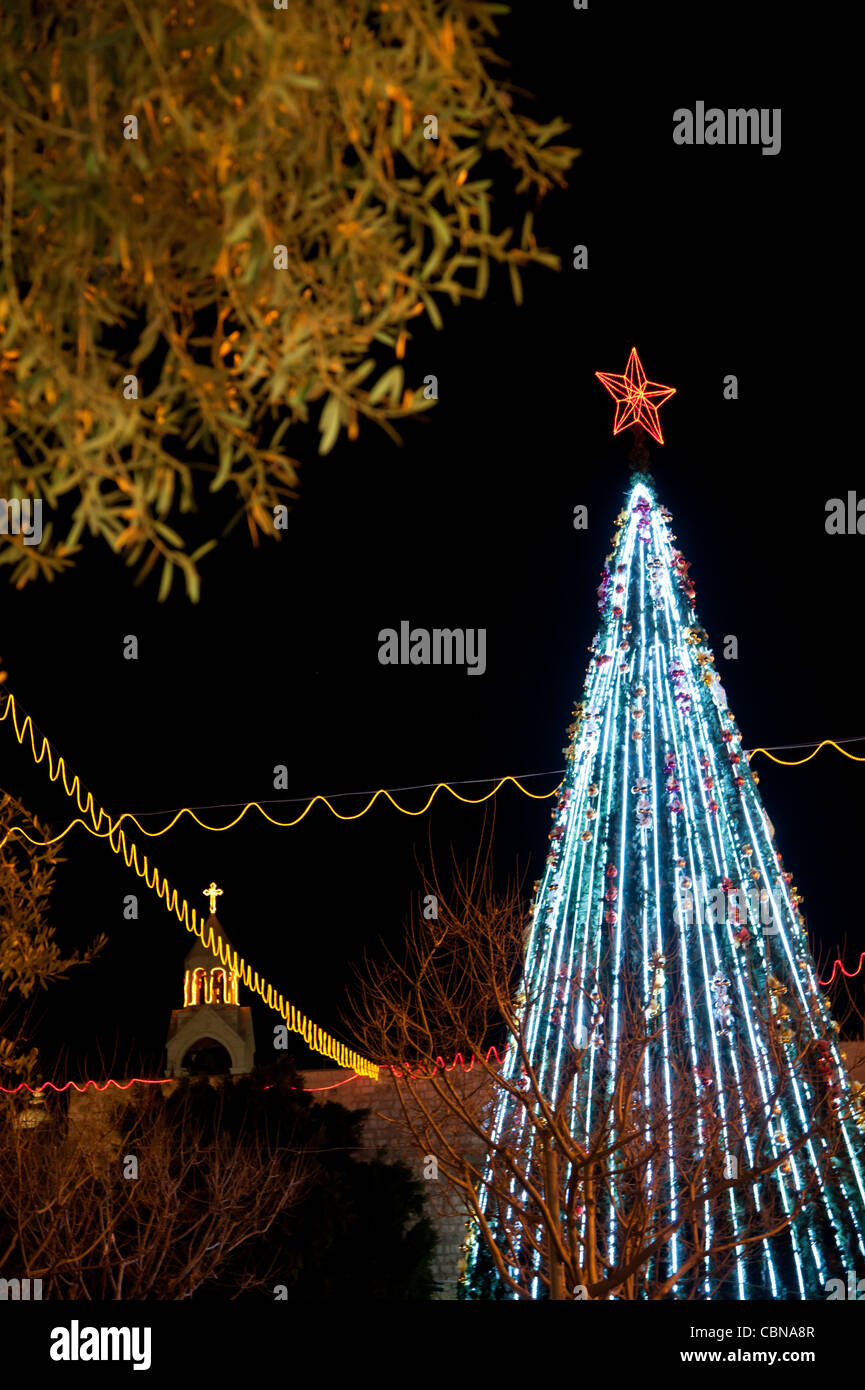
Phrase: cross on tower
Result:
[212,893]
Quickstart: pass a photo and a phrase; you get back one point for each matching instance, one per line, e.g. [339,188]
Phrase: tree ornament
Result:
[721,1002]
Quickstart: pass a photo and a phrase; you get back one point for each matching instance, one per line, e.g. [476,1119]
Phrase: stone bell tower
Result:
[212,1033]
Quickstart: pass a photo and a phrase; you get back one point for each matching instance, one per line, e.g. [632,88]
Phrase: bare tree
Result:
[167,1211]
[656,1181]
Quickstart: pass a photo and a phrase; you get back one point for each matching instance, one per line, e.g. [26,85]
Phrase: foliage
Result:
[148,264]
[30,957]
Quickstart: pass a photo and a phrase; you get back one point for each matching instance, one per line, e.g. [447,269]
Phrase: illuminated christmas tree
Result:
[670,1015]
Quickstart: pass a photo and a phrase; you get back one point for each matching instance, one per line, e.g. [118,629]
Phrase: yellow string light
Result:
[313,1036]
[797,762]
[113,825]
[296,1022]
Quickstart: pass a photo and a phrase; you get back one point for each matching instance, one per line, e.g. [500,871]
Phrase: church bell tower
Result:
[212,1033]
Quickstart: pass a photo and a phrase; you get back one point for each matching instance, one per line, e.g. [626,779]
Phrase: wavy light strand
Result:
[797,762]
[315,1038]
[436,787]
[848,974]
[398,1071]
[256,806]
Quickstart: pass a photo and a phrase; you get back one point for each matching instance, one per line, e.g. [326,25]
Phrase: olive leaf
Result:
[218,222]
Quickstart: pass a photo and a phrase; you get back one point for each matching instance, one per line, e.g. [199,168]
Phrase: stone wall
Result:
[855,1055]
[93,1117]
[392,1108]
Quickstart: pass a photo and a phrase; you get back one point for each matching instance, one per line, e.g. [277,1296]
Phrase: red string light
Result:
[139,1081]
[441,1063]
[166,1081]
[848,974]
[97,1085]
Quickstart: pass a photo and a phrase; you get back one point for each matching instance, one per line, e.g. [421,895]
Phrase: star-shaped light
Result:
[637,400]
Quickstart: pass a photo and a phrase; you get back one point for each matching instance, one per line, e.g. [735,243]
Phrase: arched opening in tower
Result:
[206,1057]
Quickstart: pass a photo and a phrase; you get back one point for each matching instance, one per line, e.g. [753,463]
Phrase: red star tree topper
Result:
[637,400]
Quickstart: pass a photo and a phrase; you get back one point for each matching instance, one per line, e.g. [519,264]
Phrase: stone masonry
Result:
[385,1130]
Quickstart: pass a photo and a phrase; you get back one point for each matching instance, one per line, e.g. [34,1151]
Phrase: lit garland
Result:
[398,1071]
[145,1081]
[797,762]
[81,1088]
[849,974]
[441,1065]
[374,796]
[10,707]
[658,801]
[296,1022]
[255,806]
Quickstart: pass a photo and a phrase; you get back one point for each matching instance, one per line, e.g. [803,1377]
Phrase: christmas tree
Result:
[667,946]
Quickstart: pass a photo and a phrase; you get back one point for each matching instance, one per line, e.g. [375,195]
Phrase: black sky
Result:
[712,261]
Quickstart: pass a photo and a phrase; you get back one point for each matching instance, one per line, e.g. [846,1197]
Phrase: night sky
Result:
[711,261]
